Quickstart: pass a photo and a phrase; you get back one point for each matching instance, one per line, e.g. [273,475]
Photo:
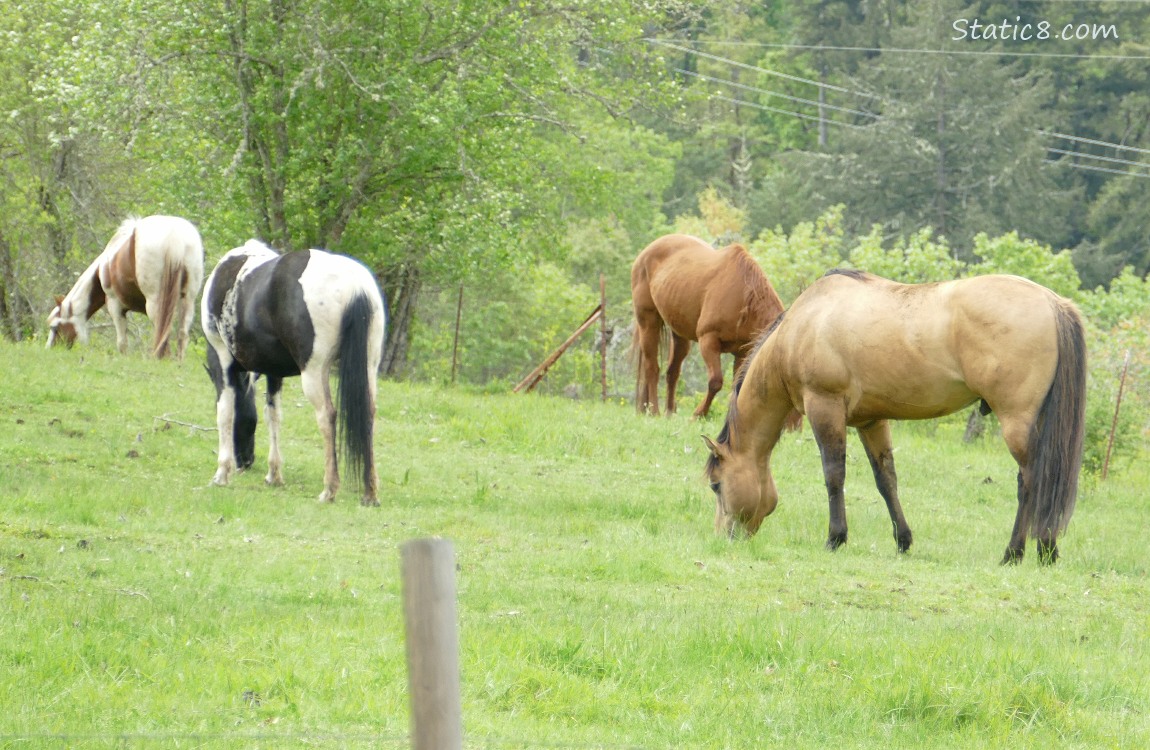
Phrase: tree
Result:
[430,139]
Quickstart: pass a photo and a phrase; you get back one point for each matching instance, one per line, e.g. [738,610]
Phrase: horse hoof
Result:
[835,541]
[903,543]
[369,502]
[327,497]
[1012,556]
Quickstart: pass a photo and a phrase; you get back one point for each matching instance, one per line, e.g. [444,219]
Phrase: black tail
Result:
[1056,443]
[356,406]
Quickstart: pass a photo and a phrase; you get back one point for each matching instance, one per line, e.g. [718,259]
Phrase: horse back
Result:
[697,289]
[913,351]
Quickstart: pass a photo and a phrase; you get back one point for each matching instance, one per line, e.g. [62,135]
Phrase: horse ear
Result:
[713,447]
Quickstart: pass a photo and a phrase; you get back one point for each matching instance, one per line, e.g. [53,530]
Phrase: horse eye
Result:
[715,487]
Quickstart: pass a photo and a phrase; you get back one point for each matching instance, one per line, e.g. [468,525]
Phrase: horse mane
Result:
[850,273]
[724,437]
[761,300]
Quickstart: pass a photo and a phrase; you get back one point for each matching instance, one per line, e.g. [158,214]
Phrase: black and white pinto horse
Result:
[294,314]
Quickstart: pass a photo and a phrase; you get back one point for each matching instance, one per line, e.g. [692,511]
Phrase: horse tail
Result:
[356,407]
[172,283]
[1056,443]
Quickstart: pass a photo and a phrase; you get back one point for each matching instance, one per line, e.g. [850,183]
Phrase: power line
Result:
[1093,142]
[768,92]
[756,68]
[765,108]
[1067,163]
[915,50]
[1111,159]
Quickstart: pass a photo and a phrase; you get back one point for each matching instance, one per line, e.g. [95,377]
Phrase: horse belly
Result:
[266,356]
[915,401]
[680,306]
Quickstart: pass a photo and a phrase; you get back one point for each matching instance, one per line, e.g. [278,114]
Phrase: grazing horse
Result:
[856,350]
[286,315]
[720,298]
[153,265]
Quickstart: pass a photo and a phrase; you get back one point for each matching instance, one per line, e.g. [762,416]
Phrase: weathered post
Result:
[603,333]
[432,644]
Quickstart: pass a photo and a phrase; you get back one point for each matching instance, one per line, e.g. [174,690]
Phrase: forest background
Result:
[489,160]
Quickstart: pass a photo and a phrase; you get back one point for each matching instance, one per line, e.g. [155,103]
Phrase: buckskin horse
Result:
[286,315]
[682,286]
[153,265]
[856,350]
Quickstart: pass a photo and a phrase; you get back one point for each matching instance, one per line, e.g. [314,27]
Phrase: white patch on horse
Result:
[257,254]
[328,287]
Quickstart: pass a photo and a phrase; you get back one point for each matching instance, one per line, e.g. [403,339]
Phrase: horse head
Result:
[64,325]
[245,416]
[742,498]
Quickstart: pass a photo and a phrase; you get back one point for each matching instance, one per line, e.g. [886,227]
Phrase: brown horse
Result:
[720,298]
[856,350]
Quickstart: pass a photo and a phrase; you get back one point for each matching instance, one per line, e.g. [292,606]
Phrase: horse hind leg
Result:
[187,314]
[880,452]
[647,376]
[1015,432]
[318,391]
[680,347]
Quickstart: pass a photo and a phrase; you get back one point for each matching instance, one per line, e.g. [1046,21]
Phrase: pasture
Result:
[144,609]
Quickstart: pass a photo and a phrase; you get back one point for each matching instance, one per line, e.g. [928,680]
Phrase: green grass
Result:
[141,608]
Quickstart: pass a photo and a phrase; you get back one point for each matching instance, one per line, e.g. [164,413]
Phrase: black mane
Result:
[852,273]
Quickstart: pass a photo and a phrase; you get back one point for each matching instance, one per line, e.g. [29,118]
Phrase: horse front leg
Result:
[119,315]
[828,422]
[880,452]
[711,348]
[225,426]
[275,475]
[318,391]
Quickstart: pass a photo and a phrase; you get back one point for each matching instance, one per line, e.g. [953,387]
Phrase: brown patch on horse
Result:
[96,298]
[121,276]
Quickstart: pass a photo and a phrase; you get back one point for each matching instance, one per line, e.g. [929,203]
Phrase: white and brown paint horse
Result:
[294,314]
[153,265]
[856,350]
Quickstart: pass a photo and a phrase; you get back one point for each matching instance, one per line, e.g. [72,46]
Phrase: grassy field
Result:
[141,608]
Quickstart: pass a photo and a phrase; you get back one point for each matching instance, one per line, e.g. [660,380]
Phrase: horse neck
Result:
[87,296]
[762,302]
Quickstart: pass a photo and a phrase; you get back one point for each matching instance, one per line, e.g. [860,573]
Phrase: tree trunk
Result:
[401,285]
[15,312]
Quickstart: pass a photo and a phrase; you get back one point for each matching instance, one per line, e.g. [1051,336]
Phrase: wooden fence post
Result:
[432,644]
[603,333]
